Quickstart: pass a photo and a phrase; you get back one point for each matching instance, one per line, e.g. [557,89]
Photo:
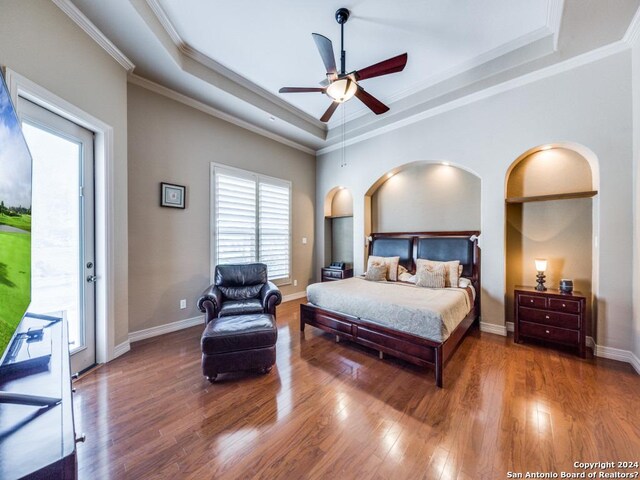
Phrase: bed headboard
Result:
[441,246]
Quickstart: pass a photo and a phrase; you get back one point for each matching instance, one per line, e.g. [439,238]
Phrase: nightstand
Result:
[331,274]
[550,315]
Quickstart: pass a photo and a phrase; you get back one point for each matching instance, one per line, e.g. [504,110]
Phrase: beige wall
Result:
[427,198]
[169,248]
[531,176]
[560,231]
[38,41]
[342,203]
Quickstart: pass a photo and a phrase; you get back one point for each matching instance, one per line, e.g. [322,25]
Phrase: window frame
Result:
[258,178]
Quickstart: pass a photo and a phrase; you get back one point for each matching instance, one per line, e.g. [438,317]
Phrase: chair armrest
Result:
[210,303]
[270,297]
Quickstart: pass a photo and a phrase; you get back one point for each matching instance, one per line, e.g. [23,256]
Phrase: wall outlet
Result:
[295,283]
[304,240]
[183,304]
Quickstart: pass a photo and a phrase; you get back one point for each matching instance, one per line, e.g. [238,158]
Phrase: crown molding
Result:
[485,58]
[523,80]
[554,19]
[632,35]
[166,23]
[90,29]
[200,58]
[214,112]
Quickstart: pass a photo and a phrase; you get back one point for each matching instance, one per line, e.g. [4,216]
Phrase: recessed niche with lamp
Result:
[541,267]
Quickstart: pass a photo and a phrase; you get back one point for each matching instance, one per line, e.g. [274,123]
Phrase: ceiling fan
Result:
[341,86]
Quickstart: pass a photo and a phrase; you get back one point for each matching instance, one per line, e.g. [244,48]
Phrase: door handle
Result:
[91,278]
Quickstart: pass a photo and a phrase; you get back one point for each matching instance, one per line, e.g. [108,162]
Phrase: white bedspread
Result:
[432,313]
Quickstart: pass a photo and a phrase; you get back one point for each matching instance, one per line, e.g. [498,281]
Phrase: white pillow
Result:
[390,262]
[464,282]
[407,277]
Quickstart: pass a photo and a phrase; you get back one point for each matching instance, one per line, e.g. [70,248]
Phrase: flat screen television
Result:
[15,222]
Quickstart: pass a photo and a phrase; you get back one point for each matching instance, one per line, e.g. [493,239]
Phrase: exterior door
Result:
[63,265]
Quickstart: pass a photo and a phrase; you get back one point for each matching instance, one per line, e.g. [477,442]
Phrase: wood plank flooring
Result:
[336,411]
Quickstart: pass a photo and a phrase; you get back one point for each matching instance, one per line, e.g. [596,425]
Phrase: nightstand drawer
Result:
[532,301]
[571,306]
[332,273]
[546,332]
[547,317]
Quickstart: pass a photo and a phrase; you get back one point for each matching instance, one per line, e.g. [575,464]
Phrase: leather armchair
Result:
[241,289]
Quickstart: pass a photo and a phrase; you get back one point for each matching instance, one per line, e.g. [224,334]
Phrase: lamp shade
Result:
[541,264]
[342,90]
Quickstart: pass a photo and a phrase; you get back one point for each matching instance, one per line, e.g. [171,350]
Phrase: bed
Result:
[419,325]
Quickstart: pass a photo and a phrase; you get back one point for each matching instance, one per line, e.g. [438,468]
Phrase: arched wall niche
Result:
[338,231]
[424,196]
[551,212]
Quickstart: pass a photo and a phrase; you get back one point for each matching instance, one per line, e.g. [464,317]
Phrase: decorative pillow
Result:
[431,276]
[464,282]
[407,277]
[376,272]
[401,270]
[451,270]
[391,263]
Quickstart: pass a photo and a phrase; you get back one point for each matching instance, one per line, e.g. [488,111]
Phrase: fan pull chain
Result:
[344,158]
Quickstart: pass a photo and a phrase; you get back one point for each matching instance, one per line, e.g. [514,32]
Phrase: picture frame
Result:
[172,196]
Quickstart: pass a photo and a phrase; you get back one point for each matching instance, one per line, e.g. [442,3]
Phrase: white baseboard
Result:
[167,328]
[509,326]
[121,349]
[294,296]
[493,328]
[614,354]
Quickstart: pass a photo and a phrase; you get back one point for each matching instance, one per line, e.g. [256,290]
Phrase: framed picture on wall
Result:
[172,195]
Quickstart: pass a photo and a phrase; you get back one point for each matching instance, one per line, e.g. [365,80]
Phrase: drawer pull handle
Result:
[531,301]
[546,331]
[547,317]
[563,305]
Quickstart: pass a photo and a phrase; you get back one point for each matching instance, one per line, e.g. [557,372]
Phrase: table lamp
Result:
[541,266]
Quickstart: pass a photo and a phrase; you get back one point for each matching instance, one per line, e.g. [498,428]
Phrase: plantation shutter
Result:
[235,219]
[274,223]
[252,221]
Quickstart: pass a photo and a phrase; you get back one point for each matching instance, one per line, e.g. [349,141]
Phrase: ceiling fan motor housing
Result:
[342,15]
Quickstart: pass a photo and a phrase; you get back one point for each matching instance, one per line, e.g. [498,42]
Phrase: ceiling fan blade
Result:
[391,65]
[301,89]
[325,47]
[329,112]
[370,101]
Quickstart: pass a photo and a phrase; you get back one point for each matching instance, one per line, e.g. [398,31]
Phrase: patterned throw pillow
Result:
[377,272]
[451,270]
[392,265]
[431,276]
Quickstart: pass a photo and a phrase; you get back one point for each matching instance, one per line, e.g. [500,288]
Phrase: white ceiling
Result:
[270,43]
[232,57]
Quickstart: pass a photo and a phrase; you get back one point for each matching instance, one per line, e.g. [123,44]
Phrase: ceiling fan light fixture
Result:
[342,90]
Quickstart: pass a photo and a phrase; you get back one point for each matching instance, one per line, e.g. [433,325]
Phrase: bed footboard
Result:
[413,349]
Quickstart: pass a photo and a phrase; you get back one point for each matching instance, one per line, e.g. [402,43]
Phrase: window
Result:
[251,220]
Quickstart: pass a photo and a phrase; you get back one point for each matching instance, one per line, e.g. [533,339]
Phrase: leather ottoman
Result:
[239,342]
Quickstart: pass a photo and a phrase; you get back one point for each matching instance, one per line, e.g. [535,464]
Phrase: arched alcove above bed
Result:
[425,196]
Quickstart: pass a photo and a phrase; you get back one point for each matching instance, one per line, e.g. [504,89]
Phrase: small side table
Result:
[331,274]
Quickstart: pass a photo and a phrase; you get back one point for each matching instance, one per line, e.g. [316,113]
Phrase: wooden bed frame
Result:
[414,349]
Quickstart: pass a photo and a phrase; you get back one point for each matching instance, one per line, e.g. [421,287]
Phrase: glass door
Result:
[63,281]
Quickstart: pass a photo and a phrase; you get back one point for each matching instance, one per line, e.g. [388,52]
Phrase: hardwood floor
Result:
[336,411]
